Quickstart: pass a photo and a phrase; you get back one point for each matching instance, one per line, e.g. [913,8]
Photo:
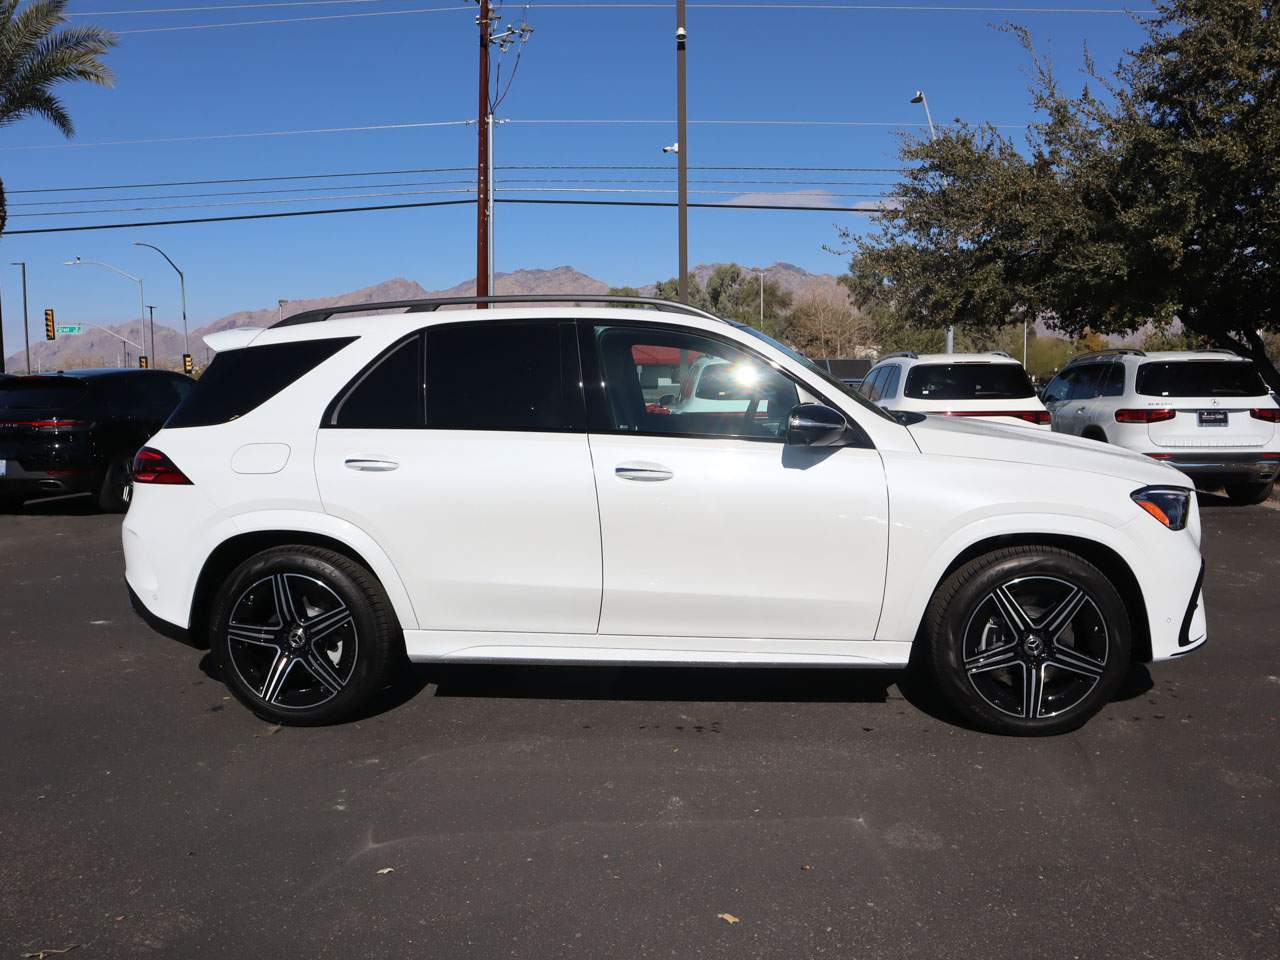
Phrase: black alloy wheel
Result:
[1028,640]
[303,635]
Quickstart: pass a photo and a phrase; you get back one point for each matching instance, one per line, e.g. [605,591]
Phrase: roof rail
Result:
[1112,352]
[435,303]
[1001,353]
[909,354]
[1229,353]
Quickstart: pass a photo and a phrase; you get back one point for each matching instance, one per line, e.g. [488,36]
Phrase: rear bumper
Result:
[1250,467]
[20,484]
[158,624]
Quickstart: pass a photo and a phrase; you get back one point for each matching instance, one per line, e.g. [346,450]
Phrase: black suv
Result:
[77,432]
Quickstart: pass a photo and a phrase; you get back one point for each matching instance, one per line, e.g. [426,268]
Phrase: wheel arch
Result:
[1094,432]
[1102,556]
[234,550]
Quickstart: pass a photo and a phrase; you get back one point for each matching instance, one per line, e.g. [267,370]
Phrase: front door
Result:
[711,525]
[479,487]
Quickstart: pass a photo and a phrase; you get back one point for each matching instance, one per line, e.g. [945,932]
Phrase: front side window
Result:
[719,390]
[969,381]
[498,375]
[1200,378]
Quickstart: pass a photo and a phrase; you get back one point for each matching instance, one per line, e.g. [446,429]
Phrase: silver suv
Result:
[1206,412]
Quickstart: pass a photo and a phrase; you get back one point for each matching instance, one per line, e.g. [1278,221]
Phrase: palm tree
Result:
[35,56]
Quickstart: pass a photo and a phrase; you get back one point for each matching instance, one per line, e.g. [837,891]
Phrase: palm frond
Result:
[42,103]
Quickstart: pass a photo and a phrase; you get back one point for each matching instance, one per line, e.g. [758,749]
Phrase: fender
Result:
[910,587]
[320,524]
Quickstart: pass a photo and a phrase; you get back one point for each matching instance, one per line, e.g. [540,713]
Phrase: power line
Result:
[263,23]
[219,7]
[429,203]
[414,170]
[241,136]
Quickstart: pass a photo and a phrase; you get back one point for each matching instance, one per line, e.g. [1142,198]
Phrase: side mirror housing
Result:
[816,425]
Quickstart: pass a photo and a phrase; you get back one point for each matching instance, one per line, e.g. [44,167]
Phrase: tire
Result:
[1248,494]
[1044,677]
[316,654]
[117,485]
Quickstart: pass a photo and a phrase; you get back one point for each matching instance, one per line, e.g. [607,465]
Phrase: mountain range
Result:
[95,348]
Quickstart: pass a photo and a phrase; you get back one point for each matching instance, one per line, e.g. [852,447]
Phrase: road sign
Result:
[71,328]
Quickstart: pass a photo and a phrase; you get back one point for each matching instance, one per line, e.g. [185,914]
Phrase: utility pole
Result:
[26,333]
[484,127]
[154,359]
[1,337]
[682,154]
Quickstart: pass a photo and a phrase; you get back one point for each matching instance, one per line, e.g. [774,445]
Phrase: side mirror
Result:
[815,425]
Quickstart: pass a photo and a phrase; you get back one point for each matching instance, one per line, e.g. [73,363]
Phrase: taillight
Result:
[1269,414]
[1041,417]
[1155,415]
[152,466]
[53,425]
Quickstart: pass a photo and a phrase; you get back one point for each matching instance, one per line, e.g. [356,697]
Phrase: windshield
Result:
[1200,378]
[845,389]
[40,393]
[969,381]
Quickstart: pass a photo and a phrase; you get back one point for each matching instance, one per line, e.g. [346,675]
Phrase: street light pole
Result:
[483,184]
[920,98]
[182,288]
[154,359]
[26,331]
[142,296]
[682,154]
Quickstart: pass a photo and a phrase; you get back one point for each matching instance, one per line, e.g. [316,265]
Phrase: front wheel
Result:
[1248,494]
[303,635]
[1028,640]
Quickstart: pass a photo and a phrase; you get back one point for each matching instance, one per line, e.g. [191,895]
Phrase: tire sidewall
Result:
[950,624]
[117,476]
[370,650]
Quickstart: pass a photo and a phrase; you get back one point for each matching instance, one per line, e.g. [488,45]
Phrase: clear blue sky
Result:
[589,63]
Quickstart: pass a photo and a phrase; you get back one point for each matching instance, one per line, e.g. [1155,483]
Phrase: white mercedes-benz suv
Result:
[986,386]
[339,493]
[1206,412]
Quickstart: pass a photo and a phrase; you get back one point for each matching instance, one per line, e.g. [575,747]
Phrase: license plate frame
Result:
[1211,418]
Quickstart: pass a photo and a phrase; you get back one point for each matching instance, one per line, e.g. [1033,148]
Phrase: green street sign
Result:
[71,328]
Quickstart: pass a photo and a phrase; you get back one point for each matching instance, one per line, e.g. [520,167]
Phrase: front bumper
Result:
[1230,467]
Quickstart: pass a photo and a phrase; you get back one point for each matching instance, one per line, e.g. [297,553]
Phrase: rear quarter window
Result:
[239,381]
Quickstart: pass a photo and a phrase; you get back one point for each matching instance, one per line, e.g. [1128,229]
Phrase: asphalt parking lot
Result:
[560,812]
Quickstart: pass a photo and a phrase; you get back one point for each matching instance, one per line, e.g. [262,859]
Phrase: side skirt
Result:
[475,646]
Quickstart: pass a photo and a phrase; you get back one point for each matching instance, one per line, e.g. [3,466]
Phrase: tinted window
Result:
[388,394]
[23,394]
[889,388]
[239,381]
[1200,378]
[503,376]
[1059,388]
[1112,384]
[968,381]
[724,391]
[1088,381]
[871,386]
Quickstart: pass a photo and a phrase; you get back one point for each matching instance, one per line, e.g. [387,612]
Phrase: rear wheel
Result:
[1028,640]
[303,635]
[1247,494]
[117,485]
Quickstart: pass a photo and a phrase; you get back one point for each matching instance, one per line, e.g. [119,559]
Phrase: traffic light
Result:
[50,331]
[143,362]
[188,367]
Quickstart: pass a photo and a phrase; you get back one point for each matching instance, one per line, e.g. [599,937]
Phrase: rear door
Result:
[1214,401]
[462,451]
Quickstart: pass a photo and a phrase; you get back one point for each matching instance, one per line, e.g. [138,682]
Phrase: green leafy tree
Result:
[36,56]
[1156,198]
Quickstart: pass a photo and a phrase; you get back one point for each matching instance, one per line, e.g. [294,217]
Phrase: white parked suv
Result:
[1206,412]
[338,493]
[987,386]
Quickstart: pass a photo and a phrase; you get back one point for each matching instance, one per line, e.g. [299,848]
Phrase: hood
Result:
[984,440]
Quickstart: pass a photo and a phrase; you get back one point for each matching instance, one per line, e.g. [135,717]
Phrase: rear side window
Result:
[239,381]
[40,394]
[1200,378]
[889,387]
[493,375]
[969,381]
[387,395]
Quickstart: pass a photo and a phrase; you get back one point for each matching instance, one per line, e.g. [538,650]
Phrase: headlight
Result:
[1170,505]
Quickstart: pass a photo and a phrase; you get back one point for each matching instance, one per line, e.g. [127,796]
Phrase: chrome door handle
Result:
[647,472]
[1079,409]
[368,465]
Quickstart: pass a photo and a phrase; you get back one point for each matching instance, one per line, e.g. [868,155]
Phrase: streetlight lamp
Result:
[26,325]
[142,297]
[920,98]
[182,287]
